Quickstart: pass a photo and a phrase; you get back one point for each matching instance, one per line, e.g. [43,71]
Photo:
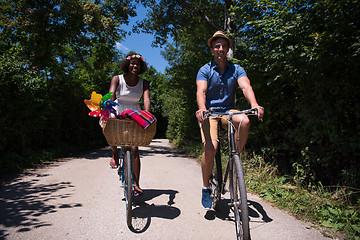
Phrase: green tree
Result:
[53,55]
[189,24]
[158,91]
[302,58]
[307,56]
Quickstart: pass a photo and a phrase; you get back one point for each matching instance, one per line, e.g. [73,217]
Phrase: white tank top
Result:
[128,97]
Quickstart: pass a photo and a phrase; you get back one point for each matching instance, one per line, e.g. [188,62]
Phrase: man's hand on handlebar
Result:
[260,112]
[200,115]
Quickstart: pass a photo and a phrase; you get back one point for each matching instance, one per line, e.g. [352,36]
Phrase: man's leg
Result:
[207,164]
[209,137]
[242,136]
[207,161]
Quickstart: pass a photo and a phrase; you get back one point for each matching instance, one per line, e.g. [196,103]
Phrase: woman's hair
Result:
[125,63]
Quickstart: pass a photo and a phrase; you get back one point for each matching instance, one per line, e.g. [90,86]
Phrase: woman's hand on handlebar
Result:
[200,115]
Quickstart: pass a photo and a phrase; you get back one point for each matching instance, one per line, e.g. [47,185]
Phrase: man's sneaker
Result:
[206,198]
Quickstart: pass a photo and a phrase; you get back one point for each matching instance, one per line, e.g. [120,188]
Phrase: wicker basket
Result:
[123,132]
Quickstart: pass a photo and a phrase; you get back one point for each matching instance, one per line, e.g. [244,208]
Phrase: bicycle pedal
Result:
[224,190]
[232,204]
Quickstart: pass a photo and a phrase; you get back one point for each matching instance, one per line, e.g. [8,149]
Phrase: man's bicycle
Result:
[234,172]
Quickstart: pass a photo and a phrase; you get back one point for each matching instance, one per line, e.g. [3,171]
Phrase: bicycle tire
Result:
[239,197]
[128,187]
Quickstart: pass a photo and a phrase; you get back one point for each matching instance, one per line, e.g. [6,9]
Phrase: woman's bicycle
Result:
[126,178]
[127,133]
[234,172]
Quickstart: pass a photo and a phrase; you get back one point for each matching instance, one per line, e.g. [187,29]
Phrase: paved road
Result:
[80,198]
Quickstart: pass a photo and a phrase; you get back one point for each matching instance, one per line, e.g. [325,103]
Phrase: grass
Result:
[336,208]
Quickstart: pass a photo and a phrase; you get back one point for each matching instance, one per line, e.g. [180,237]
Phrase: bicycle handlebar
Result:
[213,112]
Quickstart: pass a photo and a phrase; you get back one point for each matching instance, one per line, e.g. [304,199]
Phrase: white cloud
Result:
[121,47]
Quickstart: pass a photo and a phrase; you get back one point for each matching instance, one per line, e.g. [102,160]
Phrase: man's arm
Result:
[244,84]
[201,86]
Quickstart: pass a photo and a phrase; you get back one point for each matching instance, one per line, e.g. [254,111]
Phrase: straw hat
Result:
[219,34]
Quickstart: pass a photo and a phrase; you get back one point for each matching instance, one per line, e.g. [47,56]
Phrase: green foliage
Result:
[180,18]
[22,95]
[186,56]
[301,57]
[335,209]
[339,218]
[53,54]
[178,94]
[48,30]
[158,91]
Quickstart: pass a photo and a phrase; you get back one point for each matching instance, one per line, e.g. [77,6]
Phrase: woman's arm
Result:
[146,95]
[113,86]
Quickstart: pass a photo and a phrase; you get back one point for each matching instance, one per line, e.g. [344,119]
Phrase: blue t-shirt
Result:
[221,89]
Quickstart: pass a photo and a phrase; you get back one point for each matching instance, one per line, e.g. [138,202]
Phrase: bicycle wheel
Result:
[216,181]
[128,187]
[239,197]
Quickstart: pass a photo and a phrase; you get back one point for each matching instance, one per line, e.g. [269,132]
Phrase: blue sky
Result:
[141,43]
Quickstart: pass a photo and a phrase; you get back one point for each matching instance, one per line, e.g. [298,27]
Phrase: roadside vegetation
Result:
[329,207]
[302,57]
[334,210]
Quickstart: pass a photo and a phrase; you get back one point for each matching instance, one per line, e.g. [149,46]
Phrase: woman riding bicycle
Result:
[216,88]
[127,90]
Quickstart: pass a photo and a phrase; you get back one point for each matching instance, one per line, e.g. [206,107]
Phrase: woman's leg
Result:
[115,157]
[136,166]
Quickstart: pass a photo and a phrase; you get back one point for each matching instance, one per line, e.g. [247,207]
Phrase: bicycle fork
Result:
[122,168]
[230,172]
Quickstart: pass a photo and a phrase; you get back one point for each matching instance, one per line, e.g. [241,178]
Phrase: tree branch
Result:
[198,12]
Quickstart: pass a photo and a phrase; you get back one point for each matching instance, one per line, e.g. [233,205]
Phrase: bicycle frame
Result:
[231,138]
[122,162]
[237,182]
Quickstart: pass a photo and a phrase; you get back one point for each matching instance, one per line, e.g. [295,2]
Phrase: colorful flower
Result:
[135,56]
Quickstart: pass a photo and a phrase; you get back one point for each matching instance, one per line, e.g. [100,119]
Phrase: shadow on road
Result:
[150,150]
[22,203]
[257,211]
[143,212]
[224,212]
[154,148]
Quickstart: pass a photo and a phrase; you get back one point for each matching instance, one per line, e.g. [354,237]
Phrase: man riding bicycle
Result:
[216,84]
